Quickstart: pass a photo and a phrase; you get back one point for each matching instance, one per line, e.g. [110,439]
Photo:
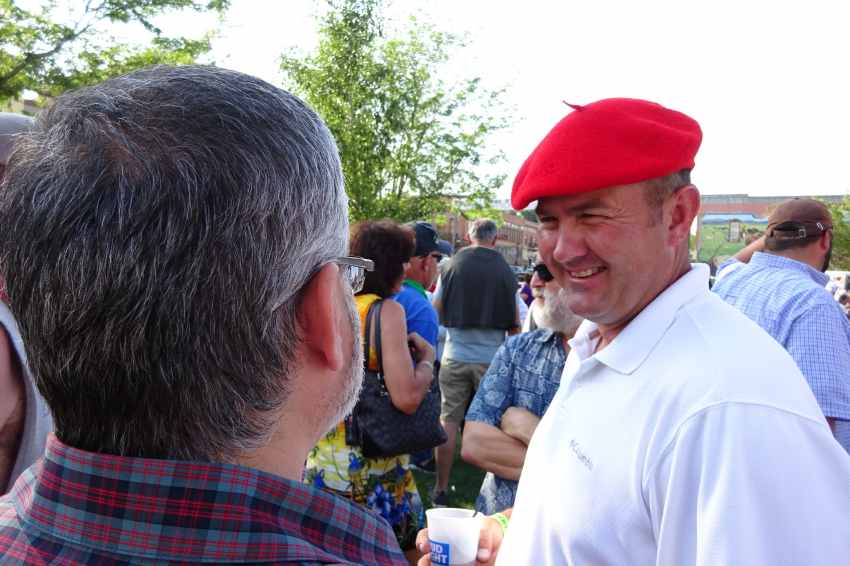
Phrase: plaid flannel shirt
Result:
[77,507]
[787,298]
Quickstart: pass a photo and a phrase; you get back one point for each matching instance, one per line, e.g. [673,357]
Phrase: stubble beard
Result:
[350,392]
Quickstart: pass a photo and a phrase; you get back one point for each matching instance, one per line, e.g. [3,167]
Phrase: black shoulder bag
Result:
[376,425]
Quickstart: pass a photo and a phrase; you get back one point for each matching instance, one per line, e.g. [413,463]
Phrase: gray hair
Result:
[158,230]
[483,230]
[657,190]
[11,126]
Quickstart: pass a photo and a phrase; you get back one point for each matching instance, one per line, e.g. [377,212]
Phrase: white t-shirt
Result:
[691,439]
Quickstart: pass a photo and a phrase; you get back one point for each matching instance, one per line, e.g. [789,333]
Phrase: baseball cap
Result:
[444,247]
[798,219]
[426,238]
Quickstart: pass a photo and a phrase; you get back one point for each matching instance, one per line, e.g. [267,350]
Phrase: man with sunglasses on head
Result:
[174,239]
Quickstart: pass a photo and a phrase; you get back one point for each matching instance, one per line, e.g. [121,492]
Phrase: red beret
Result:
[615,141]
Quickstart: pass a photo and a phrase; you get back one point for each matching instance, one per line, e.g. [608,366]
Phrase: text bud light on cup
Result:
[440,552]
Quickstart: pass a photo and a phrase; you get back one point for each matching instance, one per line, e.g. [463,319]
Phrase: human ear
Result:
[684,207]
[321,321]
[826,241]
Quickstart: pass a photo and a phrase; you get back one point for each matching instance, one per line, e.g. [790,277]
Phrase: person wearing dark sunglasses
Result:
[421,275]
[540,276]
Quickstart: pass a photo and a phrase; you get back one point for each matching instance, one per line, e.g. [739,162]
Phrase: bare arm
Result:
[492,450]
[406,385]
[519,423]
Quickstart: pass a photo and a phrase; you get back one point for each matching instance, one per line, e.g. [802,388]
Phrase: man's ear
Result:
[826,240]
[684,207]
[414,265]
[321,318]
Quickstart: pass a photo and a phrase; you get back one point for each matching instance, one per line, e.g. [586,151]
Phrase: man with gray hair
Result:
[24,418]
[476,301]
[175,238]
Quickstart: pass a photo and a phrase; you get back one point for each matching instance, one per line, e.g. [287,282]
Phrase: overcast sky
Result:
[766,80]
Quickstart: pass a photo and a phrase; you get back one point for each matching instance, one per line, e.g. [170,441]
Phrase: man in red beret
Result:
[681,434]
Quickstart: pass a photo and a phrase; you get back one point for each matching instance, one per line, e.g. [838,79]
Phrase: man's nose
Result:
[570,243]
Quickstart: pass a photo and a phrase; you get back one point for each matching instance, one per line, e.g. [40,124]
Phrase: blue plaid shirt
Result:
[525,372]
[787,298]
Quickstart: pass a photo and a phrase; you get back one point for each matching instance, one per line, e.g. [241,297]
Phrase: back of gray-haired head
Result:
[11,126]
[158,230]
[483,230]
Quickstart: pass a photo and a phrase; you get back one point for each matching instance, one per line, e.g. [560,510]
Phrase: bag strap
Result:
[378,304]
[374,312]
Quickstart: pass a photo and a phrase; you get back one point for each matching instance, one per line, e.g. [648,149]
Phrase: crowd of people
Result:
[233,374]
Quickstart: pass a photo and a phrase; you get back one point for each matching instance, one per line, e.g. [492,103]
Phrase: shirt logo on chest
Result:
[587,462]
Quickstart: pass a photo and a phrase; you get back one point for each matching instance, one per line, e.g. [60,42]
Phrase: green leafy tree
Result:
[53,48]
[840,234]
[412,143]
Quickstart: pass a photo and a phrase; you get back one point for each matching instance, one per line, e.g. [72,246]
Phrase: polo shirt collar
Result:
[761,259]
[635,342]
[417,286]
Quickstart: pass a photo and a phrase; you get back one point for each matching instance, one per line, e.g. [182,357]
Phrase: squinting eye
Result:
[591,217]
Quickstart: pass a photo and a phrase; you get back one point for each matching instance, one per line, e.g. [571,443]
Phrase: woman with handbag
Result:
[344,461]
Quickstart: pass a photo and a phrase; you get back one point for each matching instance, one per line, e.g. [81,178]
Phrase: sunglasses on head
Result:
[543,272]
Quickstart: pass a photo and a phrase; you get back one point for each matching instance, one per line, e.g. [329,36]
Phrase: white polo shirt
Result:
[691,439]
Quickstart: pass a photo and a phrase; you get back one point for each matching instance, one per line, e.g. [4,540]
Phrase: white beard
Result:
[556,315]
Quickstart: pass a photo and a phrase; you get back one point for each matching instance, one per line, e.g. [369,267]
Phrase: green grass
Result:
[464,484]
[714,242]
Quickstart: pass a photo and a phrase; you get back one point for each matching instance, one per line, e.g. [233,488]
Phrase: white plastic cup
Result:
[453,536]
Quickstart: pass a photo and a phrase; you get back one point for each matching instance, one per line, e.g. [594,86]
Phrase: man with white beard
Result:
[540,276]
[514,393]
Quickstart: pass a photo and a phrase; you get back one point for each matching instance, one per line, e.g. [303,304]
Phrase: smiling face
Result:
[611,252]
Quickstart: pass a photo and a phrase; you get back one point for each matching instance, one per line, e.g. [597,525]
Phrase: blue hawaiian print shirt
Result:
[525,372]
[788,299]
